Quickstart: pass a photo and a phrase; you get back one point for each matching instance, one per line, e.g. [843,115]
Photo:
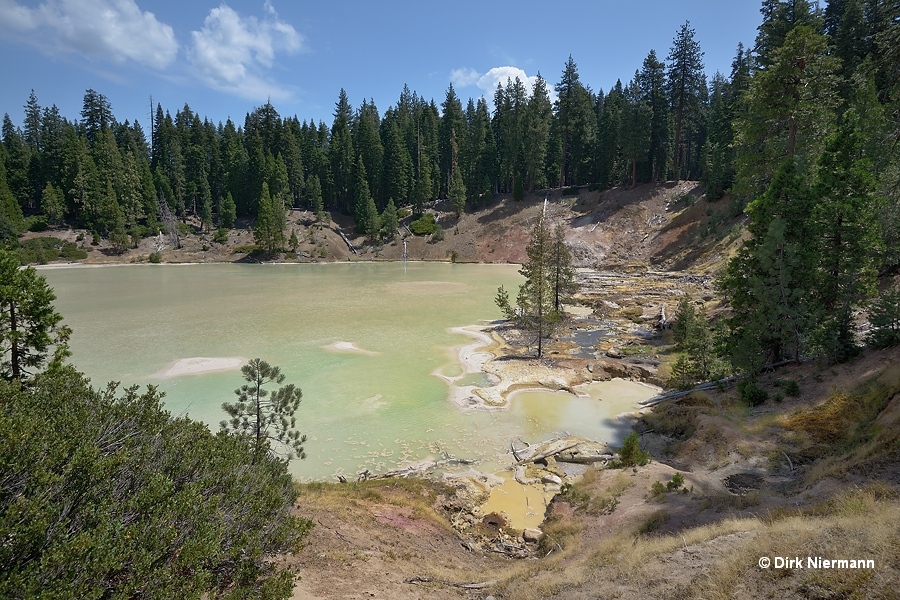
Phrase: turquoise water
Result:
[374,410]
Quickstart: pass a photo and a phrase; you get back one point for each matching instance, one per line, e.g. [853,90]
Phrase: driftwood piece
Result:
[420,468]
[347,241]
[790,462]
[548,454]
[583,459]
[465,585]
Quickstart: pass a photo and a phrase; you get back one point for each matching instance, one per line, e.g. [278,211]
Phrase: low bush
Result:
[41,250]
[751,393]
[36,223]
[424,225]
[631,454]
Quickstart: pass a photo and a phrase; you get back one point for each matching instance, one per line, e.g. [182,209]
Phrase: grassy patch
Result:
[846,424]
[41,250]
[679,419]
[584,495]
[247,249]
[632,313]
[653,522]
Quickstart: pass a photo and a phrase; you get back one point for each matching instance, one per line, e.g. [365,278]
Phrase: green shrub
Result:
[155,257]
[790,387]
[220,236]
[116,497]
[424,225]
[676,482]
[631,453]
[657,490]
[70,251]
[36,223]
[570,191]
[518,189]
[41,250]
[654,522]
[438,234]
[885,319]
[751,393]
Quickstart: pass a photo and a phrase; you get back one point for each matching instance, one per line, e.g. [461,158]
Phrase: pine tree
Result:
[535,310]
[265,416]
[397,162]
[772,281]
[364,208]
[684,82]
[340,152]
[227,212]
[53,205]
[389,221]
[561,273]
[536,135]
[457,191]
[452,129]
[11,219]
[652,82]
[206,215]
[270,222]
[423,188]
[849,240]
[635,127]
[368,145]
[314,190]
[29,326]
[789,109]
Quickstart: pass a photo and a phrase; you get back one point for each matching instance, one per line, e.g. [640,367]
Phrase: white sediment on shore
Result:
[473,359]
[348,347]
[199,364]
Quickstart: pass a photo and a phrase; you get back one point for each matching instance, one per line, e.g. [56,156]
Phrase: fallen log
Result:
[583,459]
[347,241]
[544,455]
[464,585]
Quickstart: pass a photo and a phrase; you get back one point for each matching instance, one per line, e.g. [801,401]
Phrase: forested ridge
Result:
[107,494]
[809,72]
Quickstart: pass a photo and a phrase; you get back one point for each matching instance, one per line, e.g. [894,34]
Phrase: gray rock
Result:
[532,536]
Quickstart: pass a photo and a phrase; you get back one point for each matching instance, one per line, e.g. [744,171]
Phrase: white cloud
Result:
[231,53]
[487,82]
[110,30]
[464,77]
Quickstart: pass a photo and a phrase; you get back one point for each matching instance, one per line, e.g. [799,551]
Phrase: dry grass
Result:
[417,495]
[844,432]
[595,496]
[859,524]
[721,560]
[679,419]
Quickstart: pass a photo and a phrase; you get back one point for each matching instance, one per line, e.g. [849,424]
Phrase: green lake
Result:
[374,405]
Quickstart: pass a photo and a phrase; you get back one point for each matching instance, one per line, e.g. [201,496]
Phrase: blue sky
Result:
[224,59]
